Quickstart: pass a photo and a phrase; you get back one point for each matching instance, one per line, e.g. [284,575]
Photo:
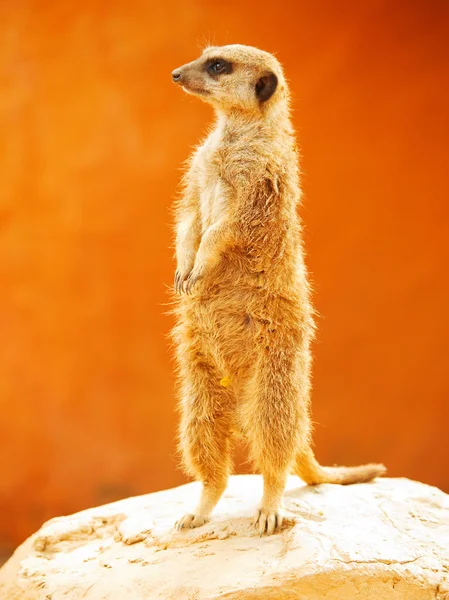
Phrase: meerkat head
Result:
[234,77]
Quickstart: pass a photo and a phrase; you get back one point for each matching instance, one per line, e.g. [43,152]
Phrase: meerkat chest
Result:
[213,197]
[212,202]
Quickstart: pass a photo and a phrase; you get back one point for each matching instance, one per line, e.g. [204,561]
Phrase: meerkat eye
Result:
[218,66]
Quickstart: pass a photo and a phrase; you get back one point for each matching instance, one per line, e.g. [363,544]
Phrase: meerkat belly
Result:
[224,327]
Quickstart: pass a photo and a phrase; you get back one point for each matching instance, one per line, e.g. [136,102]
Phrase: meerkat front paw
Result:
[181,276]
[267,521]
[195,275]
[190,521]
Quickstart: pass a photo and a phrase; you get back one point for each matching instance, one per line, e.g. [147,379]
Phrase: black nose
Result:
[176,76]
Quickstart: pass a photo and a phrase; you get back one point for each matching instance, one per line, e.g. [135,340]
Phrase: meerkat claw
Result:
[176,283]
[180,279]
[267,521]
[190,521]
[191,283]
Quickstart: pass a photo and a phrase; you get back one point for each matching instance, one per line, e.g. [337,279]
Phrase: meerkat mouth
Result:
[195,90]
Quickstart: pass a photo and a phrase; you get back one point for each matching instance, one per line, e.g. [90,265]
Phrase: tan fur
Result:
[244,317]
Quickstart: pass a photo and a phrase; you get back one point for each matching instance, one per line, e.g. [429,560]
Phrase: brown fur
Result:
[244,316]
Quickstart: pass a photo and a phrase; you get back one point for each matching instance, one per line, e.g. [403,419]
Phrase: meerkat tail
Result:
[310,471]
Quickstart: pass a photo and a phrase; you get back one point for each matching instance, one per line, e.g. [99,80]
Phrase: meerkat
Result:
[244,316]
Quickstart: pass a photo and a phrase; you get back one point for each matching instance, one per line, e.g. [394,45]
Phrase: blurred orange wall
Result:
[92,137]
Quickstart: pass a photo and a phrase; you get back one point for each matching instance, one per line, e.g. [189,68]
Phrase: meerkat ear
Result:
[266,86]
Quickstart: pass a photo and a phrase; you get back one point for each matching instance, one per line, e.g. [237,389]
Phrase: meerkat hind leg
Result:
[272,430]
[272,424]
[205,438]
[210,495]
[212,470]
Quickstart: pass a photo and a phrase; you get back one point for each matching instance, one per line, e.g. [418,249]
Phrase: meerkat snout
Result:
[176,75]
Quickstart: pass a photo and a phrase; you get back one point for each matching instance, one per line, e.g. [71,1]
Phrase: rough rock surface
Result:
[385,540]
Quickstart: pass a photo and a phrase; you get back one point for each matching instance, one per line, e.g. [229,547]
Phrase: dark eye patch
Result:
[218,66]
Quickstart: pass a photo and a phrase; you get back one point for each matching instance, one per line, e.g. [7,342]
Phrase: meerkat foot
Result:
[190,521]
[267,521]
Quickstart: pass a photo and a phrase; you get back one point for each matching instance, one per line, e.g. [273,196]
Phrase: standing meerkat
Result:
[244,316]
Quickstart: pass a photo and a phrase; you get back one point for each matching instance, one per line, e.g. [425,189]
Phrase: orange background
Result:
[92,136]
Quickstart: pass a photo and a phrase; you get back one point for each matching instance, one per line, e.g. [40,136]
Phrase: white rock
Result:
[385,540]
